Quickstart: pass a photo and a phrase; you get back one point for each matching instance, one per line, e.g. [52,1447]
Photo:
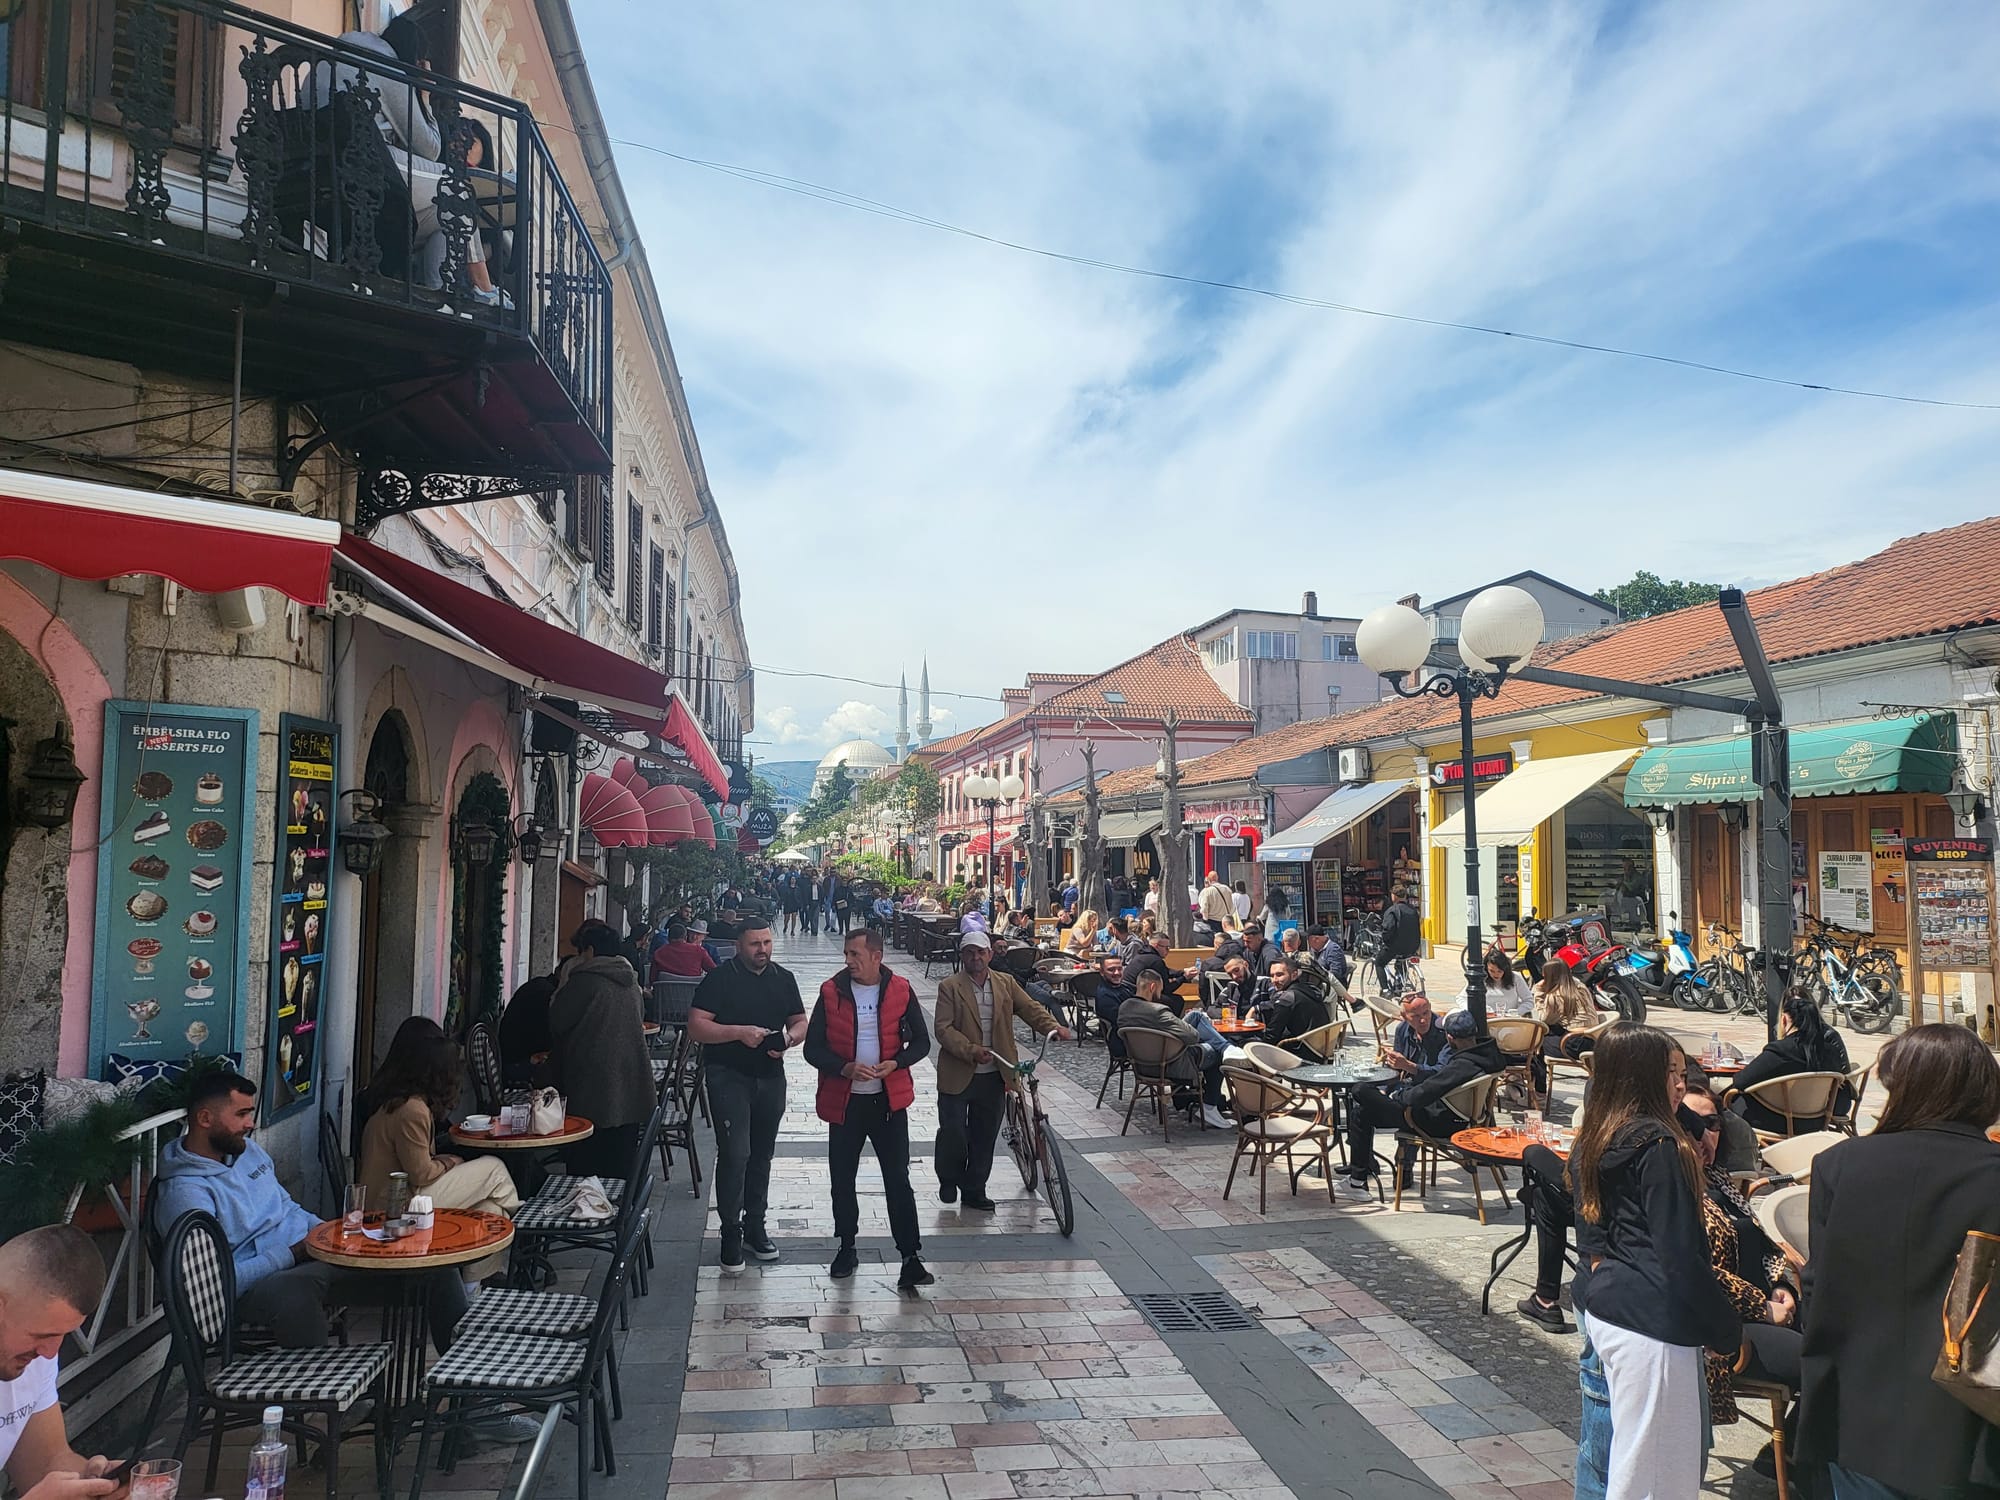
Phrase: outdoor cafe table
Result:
[1337,1078]
[458,1237]
[574,1128]
[1503,1148]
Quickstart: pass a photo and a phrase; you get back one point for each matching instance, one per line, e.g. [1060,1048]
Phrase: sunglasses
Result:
[1696,1123]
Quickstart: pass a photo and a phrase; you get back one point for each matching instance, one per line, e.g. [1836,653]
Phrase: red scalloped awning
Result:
[85,530]
[683,730]
[667,813]
[610,811]
[746,841]
[979,845]
[704,825]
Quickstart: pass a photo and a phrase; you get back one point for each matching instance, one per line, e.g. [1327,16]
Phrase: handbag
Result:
[1968,1364]
[546,1113]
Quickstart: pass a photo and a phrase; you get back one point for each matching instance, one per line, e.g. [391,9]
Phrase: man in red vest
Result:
[866,1033]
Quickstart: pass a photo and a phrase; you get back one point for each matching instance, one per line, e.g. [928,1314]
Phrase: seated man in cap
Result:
[1418,1104]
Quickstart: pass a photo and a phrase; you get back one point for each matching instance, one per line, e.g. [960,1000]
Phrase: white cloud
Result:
[779,725]
[924,444]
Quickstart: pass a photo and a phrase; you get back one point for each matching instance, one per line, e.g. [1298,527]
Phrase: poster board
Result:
[1846,883]
[301,911]
[171,970]
[1951,899]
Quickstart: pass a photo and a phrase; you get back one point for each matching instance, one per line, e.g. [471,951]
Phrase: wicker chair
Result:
[1793,1157]
[1273,1120]
[1520,1036]
[1580,1065]
[1782,1216]
[1385,1013]
[1323,1042]
[1469,1104]
[1806,1100]
[1780,1396]
[1152,1056]
[1857,1081]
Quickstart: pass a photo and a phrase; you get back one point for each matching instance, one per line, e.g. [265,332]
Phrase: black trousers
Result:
[1554,1214]
[968,1125]
[1368,1110]
[871,1122]
[748,1109]
[608,1152]
[1558,1044]
[292,1303]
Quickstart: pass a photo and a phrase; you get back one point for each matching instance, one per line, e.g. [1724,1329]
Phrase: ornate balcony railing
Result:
[204,144]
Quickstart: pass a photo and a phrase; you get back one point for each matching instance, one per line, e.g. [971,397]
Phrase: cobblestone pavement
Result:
[1363,1366]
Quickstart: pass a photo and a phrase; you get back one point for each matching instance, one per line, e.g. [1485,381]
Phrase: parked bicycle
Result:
[1727,979]
[1841,988]
[1033,1141]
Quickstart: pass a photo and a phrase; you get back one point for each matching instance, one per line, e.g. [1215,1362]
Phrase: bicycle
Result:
[1033,1142]
[1866,999]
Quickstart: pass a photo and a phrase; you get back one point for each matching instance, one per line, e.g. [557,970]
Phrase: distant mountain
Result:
[794,778]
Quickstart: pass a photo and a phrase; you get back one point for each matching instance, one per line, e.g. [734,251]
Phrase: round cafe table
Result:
[458,1237]
[1503,1148]
[1239,1028]
[1337,1077]
[574,1128]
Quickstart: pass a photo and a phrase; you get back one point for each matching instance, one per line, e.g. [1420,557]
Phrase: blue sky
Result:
[925,444]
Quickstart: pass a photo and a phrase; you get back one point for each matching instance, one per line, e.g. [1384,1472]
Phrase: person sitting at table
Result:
[1081,939]
[1122,938]
[1200,1063]
[215,1166]
[1561,1002]
[1017,960]
[1805,1044]
[971,918]
[1238,988]
[1418,1043]
[1113,990]
[1290,941]
[681,956]
[1297,1003]
[413,1093]
[1508,992]
[597,1028]
[1257,953]
[1154,960]
[1417,1102]
[1325,947]
[51,1279]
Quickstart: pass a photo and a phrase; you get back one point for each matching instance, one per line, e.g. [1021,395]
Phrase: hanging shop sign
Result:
[172,968]
[763,824]
[1847,890]
[1485,768]
[739,781]
[1246,810]
[301,911]
[1226,828]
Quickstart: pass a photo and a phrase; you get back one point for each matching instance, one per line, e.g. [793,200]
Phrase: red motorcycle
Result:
[1583,941]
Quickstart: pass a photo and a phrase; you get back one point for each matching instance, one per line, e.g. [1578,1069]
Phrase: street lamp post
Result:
[1499,629]
[990,792]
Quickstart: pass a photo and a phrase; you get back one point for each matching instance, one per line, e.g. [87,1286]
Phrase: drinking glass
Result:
[1532,1123]
[156,1479]
[353,1208]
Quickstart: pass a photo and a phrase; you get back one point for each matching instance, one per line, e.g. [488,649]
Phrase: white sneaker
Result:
[1215,1119]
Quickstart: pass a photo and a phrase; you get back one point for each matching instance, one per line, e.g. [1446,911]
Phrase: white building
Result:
[1286,667]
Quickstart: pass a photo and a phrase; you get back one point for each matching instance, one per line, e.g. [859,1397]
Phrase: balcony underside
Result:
[414,385]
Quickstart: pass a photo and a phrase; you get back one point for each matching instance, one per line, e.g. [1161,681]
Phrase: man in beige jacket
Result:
[976,1008]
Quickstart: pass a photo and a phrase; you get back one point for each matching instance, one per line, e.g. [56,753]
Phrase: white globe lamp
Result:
[1011,786]
[1503,625]
[1393,641]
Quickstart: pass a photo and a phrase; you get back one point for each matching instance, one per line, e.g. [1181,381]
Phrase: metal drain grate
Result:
[1193,1312]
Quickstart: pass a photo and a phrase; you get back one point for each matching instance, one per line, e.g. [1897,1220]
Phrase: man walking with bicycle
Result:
[1402,940]
[976,1008]
[866,1033]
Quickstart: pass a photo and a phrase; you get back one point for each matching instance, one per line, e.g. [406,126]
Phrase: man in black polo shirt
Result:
[745,1014]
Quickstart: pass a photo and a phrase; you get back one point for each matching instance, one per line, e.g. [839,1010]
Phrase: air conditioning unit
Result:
[1354,764]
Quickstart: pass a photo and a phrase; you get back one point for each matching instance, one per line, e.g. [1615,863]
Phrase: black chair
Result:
[547,1223]
[680,1085]
[671,998]
[495,1373]
[199,1291]
[1119,1067]
[333,1163]
[1083,989]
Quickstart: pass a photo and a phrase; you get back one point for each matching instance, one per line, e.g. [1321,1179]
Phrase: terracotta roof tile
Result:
[1167,676]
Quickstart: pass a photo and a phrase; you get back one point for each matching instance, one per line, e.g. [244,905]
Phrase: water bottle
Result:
[267,1460]
[1714,1047]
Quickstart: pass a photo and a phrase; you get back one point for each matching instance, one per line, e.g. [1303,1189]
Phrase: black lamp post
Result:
[989,792]
[1500,628]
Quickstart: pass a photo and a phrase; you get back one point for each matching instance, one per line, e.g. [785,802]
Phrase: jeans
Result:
[968,1125]
[1593,1437]
[870,1121]
[1848,1485]
[292,1303]
[747,1108]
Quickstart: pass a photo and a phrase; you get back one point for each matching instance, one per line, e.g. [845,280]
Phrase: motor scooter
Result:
[1585,945]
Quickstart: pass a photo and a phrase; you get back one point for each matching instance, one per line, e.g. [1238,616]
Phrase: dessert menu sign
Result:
[173,869]
[302,880]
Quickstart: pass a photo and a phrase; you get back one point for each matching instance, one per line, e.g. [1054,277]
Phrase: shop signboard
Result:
[1485,768]
[1951,895]
[763,824]
[301,913]
[1225,828]
[1846,890]
[1891,868]
[1246,810]
[172,967]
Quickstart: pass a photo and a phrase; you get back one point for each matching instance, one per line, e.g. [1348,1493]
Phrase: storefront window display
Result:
[1608,861]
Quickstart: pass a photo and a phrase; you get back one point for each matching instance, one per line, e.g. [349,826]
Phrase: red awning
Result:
[746,841]
[979,844]
[610,811]
[667,813]
[704,825]
[85,530]
[683,730]
[560,662]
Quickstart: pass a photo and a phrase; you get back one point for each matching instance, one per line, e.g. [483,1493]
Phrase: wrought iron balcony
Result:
[405,258]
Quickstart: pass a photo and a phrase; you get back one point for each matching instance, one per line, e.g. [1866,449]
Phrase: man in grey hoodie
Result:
[216,1167]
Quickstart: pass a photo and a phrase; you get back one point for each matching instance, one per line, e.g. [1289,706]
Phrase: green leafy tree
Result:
[1646,594]
[919,797]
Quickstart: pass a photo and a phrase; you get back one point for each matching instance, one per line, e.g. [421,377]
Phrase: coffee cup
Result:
[477,1124]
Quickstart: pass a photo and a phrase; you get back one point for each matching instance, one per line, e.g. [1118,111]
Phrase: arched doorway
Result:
[478,906]
[379,1007]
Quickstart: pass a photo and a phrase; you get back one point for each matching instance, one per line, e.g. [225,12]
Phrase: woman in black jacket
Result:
[1805,1044]
[1889,1212]
[1645,1294]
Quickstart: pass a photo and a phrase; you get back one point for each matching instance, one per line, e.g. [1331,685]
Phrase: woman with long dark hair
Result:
[413,1093]
[1646,1297]
[1805,1044]
[1888,1215]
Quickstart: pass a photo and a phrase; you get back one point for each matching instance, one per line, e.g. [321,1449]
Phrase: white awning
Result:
[1125,828]
[1513,807]
[1334,816]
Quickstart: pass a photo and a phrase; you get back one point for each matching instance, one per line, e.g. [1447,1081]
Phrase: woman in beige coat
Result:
[415,1089]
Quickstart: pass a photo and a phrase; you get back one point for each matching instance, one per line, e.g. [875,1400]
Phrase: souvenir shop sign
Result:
[1951,884]
[301,912]
[172,966]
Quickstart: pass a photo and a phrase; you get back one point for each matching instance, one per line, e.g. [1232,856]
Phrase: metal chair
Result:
[547,1223]
[1522,1037]
[1857,1081]
[198,1288]
[1780,1397]
[1083,993]
[1153,1055]
[333,1162]
[1323,1042]
[671,998]
[489,1373]
[679,1084]
[1469,1104]
[1804,1099]
[1273,1120]
[482,1058]
[1117,1066]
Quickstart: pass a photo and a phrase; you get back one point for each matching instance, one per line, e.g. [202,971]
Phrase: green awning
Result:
[1913,754]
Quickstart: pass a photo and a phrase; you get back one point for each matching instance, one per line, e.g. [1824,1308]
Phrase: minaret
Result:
[924,706]
[903,719]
